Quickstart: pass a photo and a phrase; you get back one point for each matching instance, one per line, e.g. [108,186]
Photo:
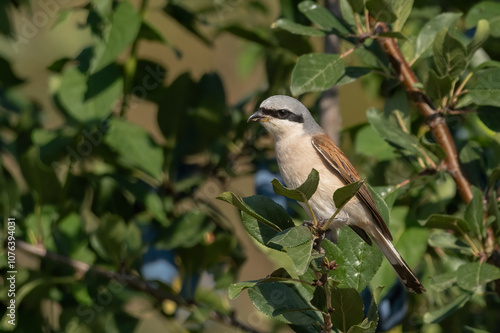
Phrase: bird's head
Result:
[284,116]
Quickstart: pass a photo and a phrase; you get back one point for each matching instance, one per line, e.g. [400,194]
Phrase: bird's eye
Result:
[282,113]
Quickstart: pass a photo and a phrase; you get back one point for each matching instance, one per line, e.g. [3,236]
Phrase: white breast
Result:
[296,158]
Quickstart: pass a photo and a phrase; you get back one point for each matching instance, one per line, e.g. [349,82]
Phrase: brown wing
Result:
[337,159]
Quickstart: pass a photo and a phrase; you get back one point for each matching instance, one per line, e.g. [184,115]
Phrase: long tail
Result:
[405,273]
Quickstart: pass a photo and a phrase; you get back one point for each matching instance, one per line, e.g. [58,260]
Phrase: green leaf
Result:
[348,307]
[381,10]
[322,18]
[468,329]
[186,231]
[292,236]
[365,327]
[357,5]
[301,256]
[473,214]
[480,36]
[490,116]
[93,98]
[370,143]
[274,297]
[373,310]
[278,218]
[358,262]
[9,78]
[485,10]
[296,28]
[428,33]
[472,276]
[392,133]
[392,34]
[174,107]
[250,35]
[135,146]
[484,87]
[302,193]
[381,205]
[448,241]
[109,238]
[155,206]
[5,22]
[316,72]
[133,241]
[444,281]
[438,87]
[235,289]
[402,9]
[450,55]
[149,32]
[125,25]
[342,195]
[436,316]
[441,221]
[351,74]
[186,18]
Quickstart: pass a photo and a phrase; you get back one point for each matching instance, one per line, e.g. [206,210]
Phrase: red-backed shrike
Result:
[301,145]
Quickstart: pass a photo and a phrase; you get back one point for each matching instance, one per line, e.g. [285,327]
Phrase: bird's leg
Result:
[310,223]
[319,234]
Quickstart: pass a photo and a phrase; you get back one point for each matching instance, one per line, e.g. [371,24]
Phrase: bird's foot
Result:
[310,223]
[321,222]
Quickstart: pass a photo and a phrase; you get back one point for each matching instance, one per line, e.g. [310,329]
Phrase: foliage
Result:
[92,190]
[458,238]
[327,277]
[96,188]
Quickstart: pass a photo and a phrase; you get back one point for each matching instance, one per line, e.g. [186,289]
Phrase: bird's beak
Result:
[258,116]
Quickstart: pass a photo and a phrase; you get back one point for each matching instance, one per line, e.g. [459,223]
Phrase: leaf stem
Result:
[358,23]
[312,213]
[327,317]
[460,88]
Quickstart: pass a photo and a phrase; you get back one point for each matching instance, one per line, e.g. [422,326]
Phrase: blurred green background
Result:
[119,130]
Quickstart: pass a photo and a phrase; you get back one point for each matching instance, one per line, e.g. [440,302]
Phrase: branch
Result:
[433,118]
[436,122]
[130,281]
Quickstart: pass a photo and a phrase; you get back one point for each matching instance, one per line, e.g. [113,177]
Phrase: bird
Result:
[301,145]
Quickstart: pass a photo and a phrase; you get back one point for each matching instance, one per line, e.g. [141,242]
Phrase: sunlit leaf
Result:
[292,236]
[302,193]
[125,25]
[274,297]
[316,72]
[428,33]
[450,55]
[348,307]
[480,36]
[322,17]
[296,28]
[358,262]
[90,99]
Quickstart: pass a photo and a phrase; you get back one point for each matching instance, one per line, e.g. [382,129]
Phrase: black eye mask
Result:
[283,114]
